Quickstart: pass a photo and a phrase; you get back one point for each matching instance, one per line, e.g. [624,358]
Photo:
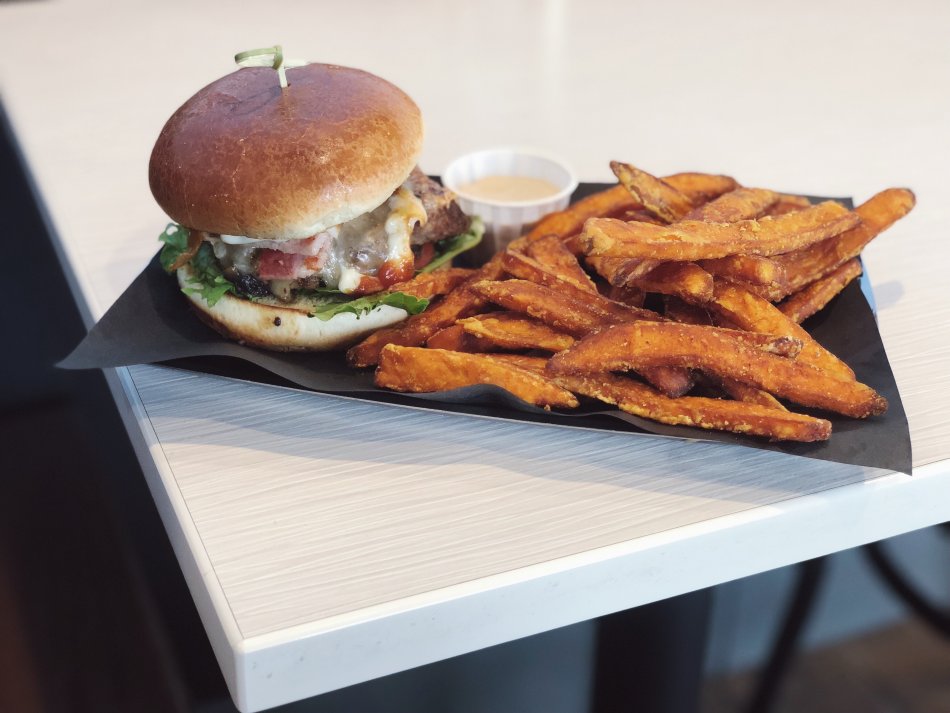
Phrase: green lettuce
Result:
[211,285]
[450,247]
[324,304]
[207,279]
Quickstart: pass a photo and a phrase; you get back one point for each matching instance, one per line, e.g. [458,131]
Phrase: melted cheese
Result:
[358,247]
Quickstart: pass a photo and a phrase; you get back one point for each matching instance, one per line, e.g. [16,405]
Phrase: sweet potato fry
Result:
[424,370]
[459,303]
[806,302]
[877,214]
[574,317]
[700,187]
[552,307]
[750,394]
[650,344]
[754,269]
[788,203]
[525,268]
[522,361]
[740,204]
[550,252]
[657,197]
[695,240]
[506,330]
[431,284]
[717,414]
[677,310]
[620,271]
[630,296]
[455,339]
[755,314]
[682,279]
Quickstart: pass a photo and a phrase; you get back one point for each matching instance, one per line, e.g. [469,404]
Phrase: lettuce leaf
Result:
[175,238]
[326,303]
[450,247]
[212,284]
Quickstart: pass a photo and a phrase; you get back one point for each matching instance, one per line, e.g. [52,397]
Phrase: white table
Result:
[328,542]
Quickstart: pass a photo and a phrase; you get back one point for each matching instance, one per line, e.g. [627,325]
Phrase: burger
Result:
[298,209]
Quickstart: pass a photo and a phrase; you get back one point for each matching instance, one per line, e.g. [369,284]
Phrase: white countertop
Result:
[327,541]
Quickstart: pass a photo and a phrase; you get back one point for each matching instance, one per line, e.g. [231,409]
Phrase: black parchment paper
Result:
[152,323]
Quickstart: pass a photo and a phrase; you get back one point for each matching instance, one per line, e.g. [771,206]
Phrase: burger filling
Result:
[364,256]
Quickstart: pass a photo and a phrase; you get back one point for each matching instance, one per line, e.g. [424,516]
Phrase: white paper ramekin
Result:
[506,220]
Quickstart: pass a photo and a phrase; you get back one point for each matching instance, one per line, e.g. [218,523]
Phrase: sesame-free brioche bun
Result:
[285,327]
[245,157]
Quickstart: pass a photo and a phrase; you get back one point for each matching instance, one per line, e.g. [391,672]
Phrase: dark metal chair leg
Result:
[908,593]
[786,643]
[650,659]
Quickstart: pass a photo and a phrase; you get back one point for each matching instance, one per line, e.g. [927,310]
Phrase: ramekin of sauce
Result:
[511,189]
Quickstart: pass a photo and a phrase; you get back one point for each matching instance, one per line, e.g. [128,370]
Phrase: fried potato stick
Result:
[505,330]
[526,268]
[750,394]
[656,196]
[419,370]
[700,187]
[756,314]
[550,252]
[461,302]
[715,351]
[788,204]
[814,297]
[740,204]
[552,307]
[805,265]
[432,284]
[696,240]
[754,269]
[454,338]
[621,271]
[686,280]
[713,414]
[574,317]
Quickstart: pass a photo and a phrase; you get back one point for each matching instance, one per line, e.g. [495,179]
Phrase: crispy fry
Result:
[649,344]
[805,303]
[431,284]
[630,296]
[658,197]
[740,204]
[754,269]
[525,268]
[522,361]
[506,330]
[750,394]
[695,240]
[755,314]
[679,311]
[881,211]
[751,419]
[620,271]
[455,339]
[461,302]
[700,187]
[682,279]
[424,370]
[573,317]
[552,307]
[550,252]
[788,204]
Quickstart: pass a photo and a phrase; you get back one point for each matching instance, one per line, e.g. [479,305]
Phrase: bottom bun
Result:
[286,328]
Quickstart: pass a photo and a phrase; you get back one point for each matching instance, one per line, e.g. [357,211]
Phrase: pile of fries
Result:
[677,299]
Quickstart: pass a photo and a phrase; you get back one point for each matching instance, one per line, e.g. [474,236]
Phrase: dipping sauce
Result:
[509,188]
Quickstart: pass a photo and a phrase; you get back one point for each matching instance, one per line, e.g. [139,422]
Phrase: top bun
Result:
[245,157]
